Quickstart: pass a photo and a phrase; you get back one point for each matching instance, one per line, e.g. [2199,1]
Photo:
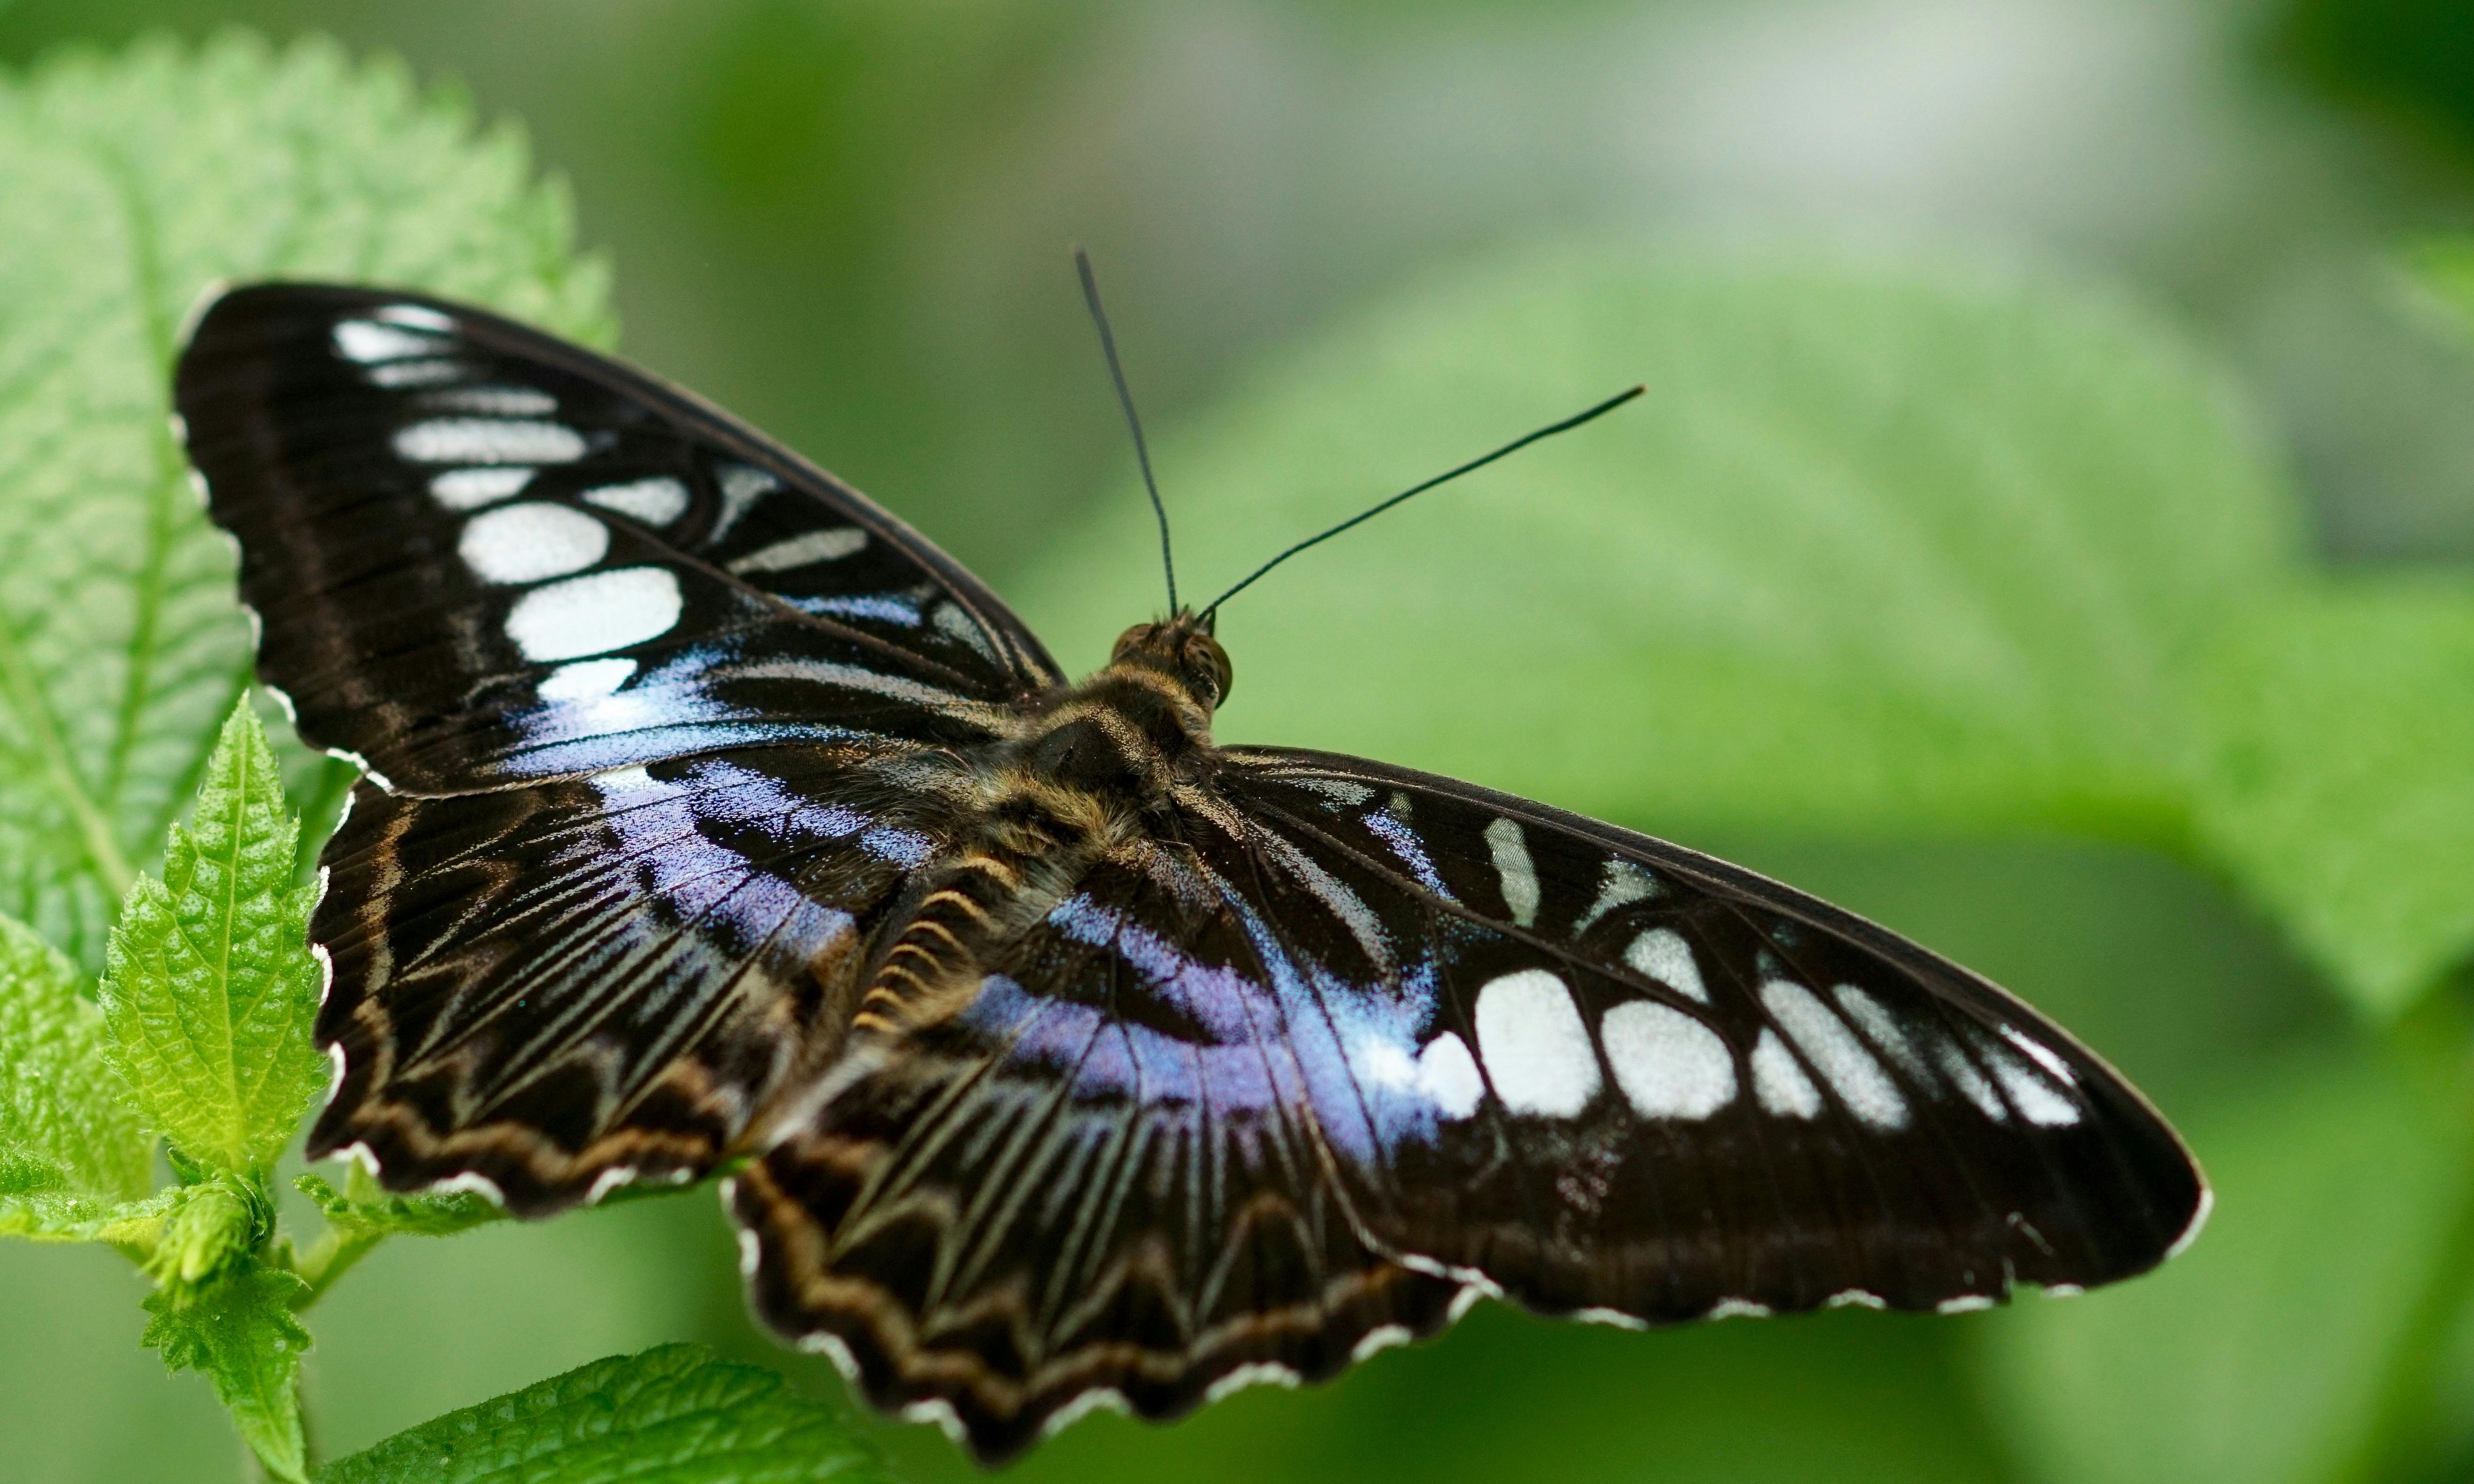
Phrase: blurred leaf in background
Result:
[1899,548]
[2410,62]
[2262,1353]
[1890,548]
[847,222]
[152,178]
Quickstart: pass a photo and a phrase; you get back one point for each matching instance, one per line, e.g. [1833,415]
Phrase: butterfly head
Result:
[1181,647]
[1125,731]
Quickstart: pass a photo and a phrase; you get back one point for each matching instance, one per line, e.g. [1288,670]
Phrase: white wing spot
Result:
[1536,1050]
[656,502]
[1780,1082]
[805,549]
[1662,954]
[1513,868]
[531,540]
[951,621]
[1260,1373]
[1669,1063]
[1971,1082]
[471,489]
[420,316]
[1836,1054]
[488,441]
[618,782]
[2032,1095]
[1625,883]
[1381,1337]
[2045,1055]
[395,375]
[741,487]
[1884,1031]
[364,343]
[585,680]
[495,402]
[1382,1063]
[1448,1074]
[595,614]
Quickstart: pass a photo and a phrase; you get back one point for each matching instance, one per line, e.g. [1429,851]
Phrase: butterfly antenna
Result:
[1125,399]
[1447,477]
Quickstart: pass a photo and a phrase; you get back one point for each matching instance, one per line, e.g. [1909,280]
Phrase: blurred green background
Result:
[848,223]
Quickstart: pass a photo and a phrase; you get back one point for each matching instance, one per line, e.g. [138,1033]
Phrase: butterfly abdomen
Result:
[1070,787]
[928,967]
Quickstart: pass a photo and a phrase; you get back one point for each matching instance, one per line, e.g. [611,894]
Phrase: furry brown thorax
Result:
[1089,760]
[1126,731]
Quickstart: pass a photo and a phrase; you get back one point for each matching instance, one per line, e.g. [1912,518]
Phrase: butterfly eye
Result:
[1133,639]
[1207,668]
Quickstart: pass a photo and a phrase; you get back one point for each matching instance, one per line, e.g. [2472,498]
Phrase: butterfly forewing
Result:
[1607,1073]
[480,555]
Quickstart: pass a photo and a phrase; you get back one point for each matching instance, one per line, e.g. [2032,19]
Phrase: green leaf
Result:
[380,1213]
[211,989]
[62,1217]
[207,1230]
[2339,793]
[241,1334]
[1889,549]
[71,1146]
[154,174]
[673,1412]
[2260,1355]
[2444,268]
[1887,546]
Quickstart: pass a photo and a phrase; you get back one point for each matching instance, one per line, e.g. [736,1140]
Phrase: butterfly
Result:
[714,821]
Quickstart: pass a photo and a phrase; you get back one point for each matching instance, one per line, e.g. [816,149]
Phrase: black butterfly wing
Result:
[637,688]
[1105,1180]
[553,989]
[481,555]
[1341,1043]
[1608,1076]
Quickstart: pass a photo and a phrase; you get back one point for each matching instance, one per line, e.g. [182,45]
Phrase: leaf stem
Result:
[329,1257]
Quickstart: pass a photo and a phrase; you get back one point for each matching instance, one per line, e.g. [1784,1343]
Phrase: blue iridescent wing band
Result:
[1103,1181]
[549,990]
[1342,1044]
[511,577]
[1607,1075]
[481,555]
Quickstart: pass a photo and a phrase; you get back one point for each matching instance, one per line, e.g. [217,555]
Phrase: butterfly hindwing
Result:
[1611,1075]
[581,982]
[1105,1180]
[1341,1041]
[481,555]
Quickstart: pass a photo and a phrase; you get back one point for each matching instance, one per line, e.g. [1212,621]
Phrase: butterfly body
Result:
[1054,1053]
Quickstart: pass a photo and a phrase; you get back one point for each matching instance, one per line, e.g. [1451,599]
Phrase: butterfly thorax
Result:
[1089,766]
